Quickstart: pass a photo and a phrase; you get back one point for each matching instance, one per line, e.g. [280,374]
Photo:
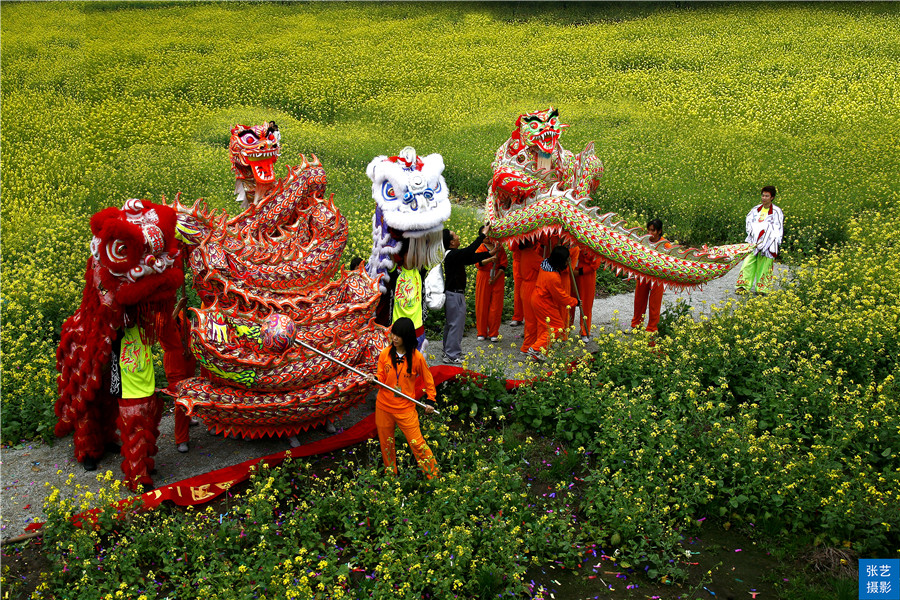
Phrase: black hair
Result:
[355,263]
[559,258]
[655,224]
[447,239]
[769,188]
[404,328]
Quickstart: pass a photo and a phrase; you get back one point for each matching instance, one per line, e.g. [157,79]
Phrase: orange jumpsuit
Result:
[529,267]
[568,314]
[518,311]
[586,278]
[488,294]
[548,299]
[392,411]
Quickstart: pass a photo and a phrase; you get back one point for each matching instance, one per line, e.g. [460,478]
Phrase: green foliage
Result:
[482,397]
[777,412]
[352,532]
[672,314]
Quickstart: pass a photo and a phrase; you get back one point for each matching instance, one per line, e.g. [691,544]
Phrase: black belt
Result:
[457,291]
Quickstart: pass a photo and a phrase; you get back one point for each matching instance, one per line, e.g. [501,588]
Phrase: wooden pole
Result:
[577,296]
[366,375]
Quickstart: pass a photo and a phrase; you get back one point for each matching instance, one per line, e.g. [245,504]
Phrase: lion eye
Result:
[116,251]
[249,138]
[534,125]
[387,190]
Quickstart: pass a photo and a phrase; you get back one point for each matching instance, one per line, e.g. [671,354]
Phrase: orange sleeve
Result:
[501,256]
[589,262]
[482,267]
[574,253]
[558,292]
[384,359]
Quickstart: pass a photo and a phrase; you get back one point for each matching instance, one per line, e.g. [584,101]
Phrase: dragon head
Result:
[545,194]
[411,201]
[254,151]
[540,130]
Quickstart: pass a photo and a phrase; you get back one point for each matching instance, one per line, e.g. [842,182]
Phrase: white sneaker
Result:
[329,427]
[183,447]
[194,422]
[495,339]
[514,323]
[585,339]
[480,338]
[293,441]
[536,355]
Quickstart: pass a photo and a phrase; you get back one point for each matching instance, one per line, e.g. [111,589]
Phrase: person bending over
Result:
[549,298]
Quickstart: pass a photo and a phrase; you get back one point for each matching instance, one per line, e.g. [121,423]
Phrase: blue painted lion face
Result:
[410,191]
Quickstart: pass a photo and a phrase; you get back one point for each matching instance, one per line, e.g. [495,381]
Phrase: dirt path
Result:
[26,470]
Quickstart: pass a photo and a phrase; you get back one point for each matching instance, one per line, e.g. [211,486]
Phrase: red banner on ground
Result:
[208,486]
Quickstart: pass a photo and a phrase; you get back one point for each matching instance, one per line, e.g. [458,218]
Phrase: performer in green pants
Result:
[765,228]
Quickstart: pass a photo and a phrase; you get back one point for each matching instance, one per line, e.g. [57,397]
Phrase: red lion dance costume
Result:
[132,274]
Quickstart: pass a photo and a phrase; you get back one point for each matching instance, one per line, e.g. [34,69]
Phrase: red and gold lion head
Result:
[134,253]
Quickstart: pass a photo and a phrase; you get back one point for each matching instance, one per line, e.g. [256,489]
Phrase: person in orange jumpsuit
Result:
[568,313]
[648,295]
[548,299]
[529,268]
[490,285]
[399,366]
[586,279]
[518,312]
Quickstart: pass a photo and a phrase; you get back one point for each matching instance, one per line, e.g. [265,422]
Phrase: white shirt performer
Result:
[765,228]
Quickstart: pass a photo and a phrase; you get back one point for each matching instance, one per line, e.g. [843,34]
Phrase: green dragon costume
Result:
[540,190]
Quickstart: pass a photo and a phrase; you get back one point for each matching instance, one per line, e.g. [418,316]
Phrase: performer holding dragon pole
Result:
[765,230]
[399,366]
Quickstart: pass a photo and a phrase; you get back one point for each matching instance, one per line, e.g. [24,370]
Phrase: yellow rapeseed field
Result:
[692,109]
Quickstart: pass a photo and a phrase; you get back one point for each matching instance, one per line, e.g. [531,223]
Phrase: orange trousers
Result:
[408,421]
[566,314]
[531,325]
[587,288]
[647,299]
[488,303]
[549,321]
